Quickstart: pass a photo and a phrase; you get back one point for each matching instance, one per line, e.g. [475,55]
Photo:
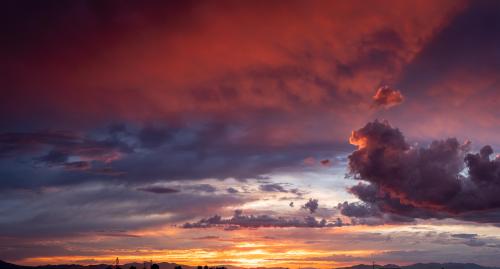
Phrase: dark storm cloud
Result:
[422,182]
[239,220]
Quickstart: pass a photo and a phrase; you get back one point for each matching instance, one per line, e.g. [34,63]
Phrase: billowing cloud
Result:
[311,205]
[387,97]
[438,181]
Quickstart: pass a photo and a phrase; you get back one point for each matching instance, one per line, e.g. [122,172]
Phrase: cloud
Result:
[367,214]
[239,220]
[121,153]
[154,136]
[65,149]
[387,97]
[464,236]
[232,190]
[272,187]
[311,205]
[195,80]
[158,189]
[102,209]
[201,188]
[358,210]
[423,182]
[326,162]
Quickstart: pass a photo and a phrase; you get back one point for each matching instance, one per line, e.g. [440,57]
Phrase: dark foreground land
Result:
[166,265]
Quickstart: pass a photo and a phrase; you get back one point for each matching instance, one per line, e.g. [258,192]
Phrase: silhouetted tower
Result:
[154,265]
[200,267]
[117,263]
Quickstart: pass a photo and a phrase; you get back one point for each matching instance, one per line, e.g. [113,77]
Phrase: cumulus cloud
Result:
[311,205]
[387,97]
[239,220]
[443,180]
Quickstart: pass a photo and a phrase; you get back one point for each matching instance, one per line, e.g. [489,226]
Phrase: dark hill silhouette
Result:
[162,265]
[167,265]
[423,266]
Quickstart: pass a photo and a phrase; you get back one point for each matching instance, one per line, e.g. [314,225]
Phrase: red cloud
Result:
[387,97]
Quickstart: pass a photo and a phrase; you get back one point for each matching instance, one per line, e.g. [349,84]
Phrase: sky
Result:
[250,133]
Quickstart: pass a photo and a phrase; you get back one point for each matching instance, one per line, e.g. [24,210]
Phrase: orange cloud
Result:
[387,97]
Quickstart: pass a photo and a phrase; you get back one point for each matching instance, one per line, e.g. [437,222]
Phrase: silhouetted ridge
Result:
[422,266]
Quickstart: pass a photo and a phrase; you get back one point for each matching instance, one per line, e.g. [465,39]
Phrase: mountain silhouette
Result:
[167,265]
[162,265]
[422,266]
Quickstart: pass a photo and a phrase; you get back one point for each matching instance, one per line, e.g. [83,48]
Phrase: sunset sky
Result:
[250,133]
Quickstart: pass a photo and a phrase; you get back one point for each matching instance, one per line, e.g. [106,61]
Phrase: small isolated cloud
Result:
[311,205]
[387,97]
[326,162]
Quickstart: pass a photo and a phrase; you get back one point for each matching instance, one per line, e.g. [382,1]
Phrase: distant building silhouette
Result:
[132,267]
[155,266]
